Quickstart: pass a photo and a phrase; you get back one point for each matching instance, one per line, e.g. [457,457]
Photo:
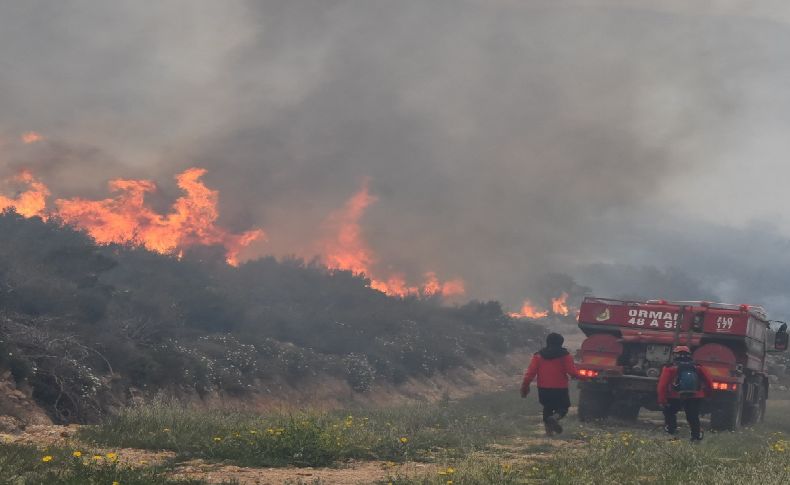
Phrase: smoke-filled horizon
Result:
[527,148]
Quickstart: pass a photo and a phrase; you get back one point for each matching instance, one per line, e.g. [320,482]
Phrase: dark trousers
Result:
[691,407]
[554,401]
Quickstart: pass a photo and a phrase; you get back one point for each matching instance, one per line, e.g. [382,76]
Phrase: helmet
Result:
[681,349]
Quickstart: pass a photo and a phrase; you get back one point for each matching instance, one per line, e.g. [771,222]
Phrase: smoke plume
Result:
[503,141]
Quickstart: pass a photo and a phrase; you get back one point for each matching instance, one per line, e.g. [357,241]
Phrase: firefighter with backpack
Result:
[683,385]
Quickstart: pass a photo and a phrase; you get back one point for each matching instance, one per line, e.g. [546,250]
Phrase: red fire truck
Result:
[628,343]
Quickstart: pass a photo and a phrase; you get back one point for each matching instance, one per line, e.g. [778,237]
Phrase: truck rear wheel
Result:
[726,415]
[594,404]
[625,410]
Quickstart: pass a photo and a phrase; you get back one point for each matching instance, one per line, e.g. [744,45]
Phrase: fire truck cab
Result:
[629,342]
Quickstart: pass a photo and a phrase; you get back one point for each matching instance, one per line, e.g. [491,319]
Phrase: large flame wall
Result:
[192,221]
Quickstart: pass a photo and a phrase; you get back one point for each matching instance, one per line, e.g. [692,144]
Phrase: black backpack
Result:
[687,379]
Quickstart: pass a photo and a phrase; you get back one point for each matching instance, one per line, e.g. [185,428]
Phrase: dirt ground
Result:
[350,473]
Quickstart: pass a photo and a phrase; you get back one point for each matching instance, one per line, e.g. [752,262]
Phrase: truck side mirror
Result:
[780,340]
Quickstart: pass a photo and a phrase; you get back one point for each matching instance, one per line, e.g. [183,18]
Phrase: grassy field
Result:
[25,464]
[634,454]
[491,439]
[417,432]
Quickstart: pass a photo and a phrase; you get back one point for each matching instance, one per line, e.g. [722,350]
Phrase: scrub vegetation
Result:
[81,323]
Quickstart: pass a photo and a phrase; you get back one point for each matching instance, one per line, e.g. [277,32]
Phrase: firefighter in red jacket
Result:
[672,397]
[552,365]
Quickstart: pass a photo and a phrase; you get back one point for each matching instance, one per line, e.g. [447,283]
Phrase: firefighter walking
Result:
[552,365]
[683,385]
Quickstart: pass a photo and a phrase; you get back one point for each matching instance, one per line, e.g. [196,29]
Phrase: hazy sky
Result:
[638,147]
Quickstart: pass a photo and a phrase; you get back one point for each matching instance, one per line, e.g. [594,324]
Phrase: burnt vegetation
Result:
[87,326]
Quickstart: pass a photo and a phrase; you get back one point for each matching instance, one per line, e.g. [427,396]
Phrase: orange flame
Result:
[559,305]
[126,218]
[31,202]
[348,250]
[31,137]
[530,310]
[432,286]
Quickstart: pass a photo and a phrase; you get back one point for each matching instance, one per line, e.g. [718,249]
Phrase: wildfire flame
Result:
[559,305]
[31,137]
[348,250]
[530,310]
[192,221]
[32,201]
[126,218]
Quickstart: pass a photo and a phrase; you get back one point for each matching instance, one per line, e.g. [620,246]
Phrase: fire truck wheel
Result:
[726,415]
[625,410]
[593,404]
[762,409]
[754,413]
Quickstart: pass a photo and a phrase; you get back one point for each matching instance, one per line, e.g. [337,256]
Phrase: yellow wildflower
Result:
[77,454]
[116,483]
[112,456]
[404,440]
[47,458]
[450,470]
[217,439]
[98,457]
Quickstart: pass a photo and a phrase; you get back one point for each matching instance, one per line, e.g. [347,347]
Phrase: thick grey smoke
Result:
[505,140]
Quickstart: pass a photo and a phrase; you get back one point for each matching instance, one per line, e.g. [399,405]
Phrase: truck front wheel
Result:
[593,404]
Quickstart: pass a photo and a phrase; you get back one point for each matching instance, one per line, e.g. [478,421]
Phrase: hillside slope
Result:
[86,327]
